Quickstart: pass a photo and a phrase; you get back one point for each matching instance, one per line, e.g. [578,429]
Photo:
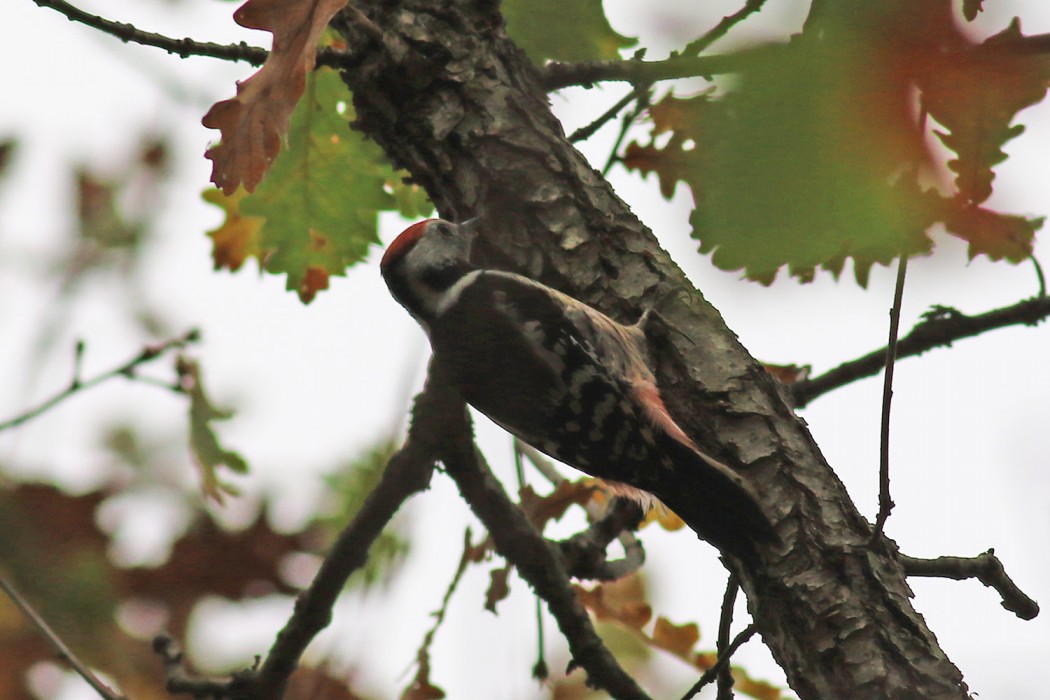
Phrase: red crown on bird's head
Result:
[404,242]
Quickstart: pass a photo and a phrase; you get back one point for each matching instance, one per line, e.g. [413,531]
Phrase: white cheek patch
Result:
[444,302]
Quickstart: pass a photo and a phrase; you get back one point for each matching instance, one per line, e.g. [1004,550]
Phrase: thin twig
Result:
[540,670]
[725,626]
[127,369]
[986,568]
[940,327]
[885,501]
[585,132]
[1039,275]
[557,75]
[64,652]
[723,660]
[470,554]
[719,30]
[253,55]
[642,93]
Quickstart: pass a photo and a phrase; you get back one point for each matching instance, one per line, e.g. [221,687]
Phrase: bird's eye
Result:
[444,229]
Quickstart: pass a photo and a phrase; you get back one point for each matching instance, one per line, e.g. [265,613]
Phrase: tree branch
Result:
[127,369]
[986,568]
[536,560]
[940,327]
[723,659]
[557,75]
[585,132]
[471,553]
[254,55]
[64,652]
[720,29]
[556,220]
[885,501]
[408,472]
[725,625]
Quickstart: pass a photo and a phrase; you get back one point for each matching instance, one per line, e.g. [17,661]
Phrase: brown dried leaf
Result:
[634,613]
[542,509]
[677,639]
[254,122]
[747,685]
[499,587]
[787,374]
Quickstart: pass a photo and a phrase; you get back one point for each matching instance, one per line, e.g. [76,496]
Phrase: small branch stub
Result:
[986,568]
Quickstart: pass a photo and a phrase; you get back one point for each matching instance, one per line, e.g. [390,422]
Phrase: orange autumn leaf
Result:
[238,236]
[787,374]
[760,690]
[255,121]
[542,509]
[621,600]
[499,587]
[677,639]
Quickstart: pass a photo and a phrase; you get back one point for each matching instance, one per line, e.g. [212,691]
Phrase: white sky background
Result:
[314,385]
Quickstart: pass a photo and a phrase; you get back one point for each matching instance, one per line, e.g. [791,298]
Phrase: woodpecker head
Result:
[425,261]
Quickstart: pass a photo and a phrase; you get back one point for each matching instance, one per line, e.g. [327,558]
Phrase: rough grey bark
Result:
[450,99]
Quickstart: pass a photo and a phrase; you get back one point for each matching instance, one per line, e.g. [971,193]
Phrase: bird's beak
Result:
[471,227]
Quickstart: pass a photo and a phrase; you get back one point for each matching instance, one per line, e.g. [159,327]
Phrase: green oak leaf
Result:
[315,213]
[555,30]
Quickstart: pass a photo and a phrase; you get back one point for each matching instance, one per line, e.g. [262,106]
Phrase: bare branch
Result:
[408,472]
[723,659]
[127,369]
[986,568]
[585,132]
[720,29]
[536,561]
[885,501]
[557,75]
[253,55]
[471,553]
[725,625]
[940,327]
[64,652]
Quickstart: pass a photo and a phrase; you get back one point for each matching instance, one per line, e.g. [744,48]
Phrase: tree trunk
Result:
[453,101]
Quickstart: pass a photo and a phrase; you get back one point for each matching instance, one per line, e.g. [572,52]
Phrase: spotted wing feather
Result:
[600,410]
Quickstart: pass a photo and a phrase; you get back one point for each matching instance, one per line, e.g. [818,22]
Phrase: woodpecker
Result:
[564,378]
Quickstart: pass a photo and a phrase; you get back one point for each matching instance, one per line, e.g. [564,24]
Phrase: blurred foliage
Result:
[554,30]
[51,543]
[345,492]
[312,216]
[53,549]
[208,453]
[815,151]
